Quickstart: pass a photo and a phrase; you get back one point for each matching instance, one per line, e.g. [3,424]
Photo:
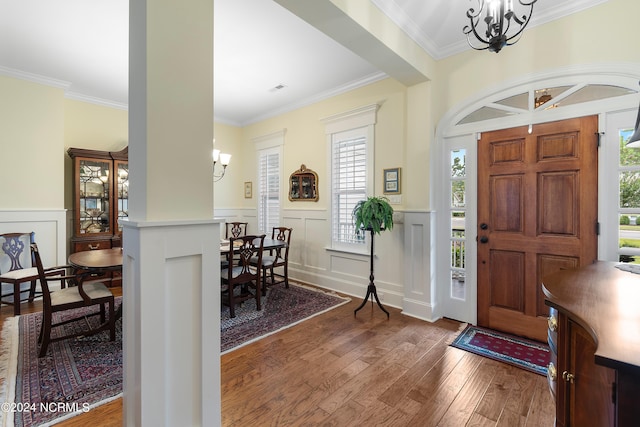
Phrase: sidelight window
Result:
[629,200]
[457,213]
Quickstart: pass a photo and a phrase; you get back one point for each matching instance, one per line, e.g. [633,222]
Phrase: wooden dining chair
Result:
[85,292]
[275,258]
[236,229]
[18,272]
[240,279]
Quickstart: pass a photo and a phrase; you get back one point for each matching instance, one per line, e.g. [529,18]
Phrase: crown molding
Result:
[35,78]
[97,101]
[397,15]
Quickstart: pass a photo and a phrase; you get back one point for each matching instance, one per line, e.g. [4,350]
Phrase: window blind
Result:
[349,181]
[269,191]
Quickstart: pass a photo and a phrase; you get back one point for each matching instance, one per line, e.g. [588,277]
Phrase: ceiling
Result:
[82,46]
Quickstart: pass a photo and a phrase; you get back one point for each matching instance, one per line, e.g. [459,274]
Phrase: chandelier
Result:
[502,22]
[223,159]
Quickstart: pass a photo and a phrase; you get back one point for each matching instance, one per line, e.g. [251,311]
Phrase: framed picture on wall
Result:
[248,190]
[392,181]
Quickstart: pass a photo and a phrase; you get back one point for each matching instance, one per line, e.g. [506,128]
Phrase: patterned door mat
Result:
[521,352]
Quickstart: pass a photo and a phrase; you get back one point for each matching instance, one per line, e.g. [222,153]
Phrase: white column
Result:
[171,256]
[172,323]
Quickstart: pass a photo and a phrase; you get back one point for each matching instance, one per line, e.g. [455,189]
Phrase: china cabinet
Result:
[101,190]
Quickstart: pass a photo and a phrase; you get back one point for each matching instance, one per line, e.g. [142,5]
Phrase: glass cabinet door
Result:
[122,193]
[94,195]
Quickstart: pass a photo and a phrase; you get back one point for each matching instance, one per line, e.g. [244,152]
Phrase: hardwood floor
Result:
[335,369]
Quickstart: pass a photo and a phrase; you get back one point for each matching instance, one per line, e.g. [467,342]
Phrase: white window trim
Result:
[358,118]
[274,140]
[609,179]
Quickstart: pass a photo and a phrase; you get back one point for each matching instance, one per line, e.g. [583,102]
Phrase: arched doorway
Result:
[548,97]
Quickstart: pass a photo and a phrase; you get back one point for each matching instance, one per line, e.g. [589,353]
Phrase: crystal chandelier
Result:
[504,25]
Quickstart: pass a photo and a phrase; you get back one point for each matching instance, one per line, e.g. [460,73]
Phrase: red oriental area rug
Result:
[74,376]
[523,353]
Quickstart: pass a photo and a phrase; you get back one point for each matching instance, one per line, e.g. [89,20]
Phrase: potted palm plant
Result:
[375,215]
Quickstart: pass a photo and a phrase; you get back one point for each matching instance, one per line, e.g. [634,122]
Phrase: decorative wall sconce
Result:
[224,160]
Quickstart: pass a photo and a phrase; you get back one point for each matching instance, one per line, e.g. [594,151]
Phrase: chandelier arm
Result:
[511,43]
[522,26]
[471,28]
[477,48]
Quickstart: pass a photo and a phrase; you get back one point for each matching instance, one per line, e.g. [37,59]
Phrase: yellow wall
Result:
[604,33]
[31,145]
[306,143]
[95,127]
[229,191]
[92,127]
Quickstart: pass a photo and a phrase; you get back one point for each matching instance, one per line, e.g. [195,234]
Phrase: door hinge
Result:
[613,392]
[597,228]
[598,138]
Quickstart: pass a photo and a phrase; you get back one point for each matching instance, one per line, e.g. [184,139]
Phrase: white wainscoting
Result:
[419,287]
[49,227]
[402,272]
[240,215]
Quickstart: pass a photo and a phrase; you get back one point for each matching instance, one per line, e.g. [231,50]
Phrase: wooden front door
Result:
[537,213]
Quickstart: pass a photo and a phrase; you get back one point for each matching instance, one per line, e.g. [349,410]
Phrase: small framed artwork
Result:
[392,181]
[248,190]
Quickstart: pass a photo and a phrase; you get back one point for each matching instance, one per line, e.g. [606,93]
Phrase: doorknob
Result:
[484,239]
[568,377]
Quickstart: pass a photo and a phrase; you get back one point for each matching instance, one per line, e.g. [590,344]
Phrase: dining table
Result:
[98,262]
[268,244]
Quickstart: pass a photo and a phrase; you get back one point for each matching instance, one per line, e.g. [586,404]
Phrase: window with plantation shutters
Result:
[268,190]
[350,139]
[349,183]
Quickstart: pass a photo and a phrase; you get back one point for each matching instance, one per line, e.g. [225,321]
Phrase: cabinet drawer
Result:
[91,245]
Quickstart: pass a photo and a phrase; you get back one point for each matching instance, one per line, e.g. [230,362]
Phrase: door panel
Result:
[507,200]
[537,193]
[558,218]
[513,267]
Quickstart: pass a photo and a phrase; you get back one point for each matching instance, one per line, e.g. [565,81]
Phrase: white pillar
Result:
[171,243]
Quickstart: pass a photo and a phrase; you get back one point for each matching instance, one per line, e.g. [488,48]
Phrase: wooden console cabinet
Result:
[594,336]
[101,192]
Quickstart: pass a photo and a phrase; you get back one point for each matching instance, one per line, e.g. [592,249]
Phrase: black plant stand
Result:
[371,289]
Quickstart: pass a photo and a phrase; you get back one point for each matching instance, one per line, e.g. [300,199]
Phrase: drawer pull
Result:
[552,321]
[552,371]
[568,377]
[94,247]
